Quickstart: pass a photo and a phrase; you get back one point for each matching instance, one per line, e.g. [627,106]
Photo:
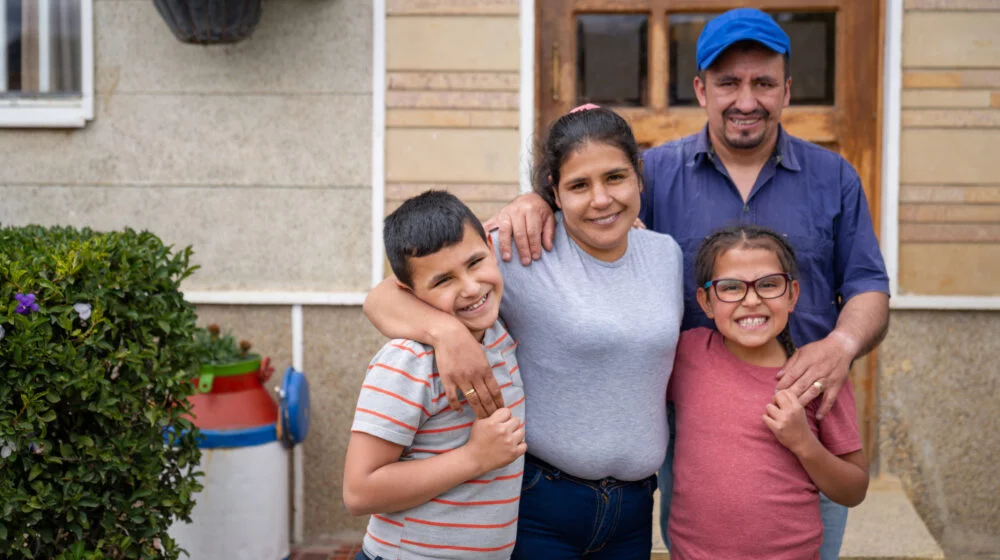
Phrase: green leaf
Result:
[35,471]
[85,441]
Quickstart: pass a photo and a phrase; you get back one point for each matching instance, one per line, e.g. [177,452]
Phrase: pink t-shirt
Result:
[739,493]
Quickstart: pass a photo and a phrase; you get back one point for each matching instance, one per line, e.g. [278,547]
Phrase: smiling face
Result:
[598,192]
[744,92]
[462,280]
[750,327]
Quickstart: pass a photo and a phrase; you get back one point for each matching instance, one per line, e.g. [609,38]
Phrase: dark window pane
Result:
[814,51]
[611,59]
[27,75]
[813,37]
[684,31]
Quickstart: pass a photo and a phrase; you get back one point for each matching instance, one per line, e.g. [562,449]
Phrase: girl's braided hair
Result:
[746,236]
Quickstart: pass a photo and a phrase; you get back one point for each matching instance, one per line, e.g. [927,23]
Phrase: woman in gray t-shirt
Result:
[597,321]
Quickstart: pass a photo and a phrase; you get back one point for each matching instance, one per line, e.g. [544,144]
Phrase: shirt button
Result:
[746,209]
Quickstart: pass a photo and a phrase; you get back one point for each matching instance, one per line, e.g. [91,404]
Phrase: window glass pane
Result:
[611,59]
[42,48]
[814,49]
[813,38]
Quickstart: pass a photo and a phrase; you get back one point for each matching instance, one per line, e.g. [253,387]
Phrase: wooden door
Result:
[638,57]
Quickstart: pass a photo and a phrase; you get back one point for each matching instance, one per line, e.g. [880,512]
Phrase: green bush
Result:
[93,373]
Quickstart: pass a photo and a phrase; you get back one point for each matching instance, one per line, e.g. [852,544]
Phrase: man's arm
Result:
[461,361]
[531,223]
[861,280]
[376,481]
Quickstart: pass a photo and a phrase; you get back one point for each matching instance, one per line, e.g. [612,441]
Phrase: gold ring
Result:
[818,386]
[470,392]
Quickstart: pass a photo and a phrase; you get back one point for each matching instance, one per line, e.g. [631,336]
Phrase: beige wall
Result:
[949,209]
[938,419]
[259,155]
[256,153]
[452,100]
[938,377]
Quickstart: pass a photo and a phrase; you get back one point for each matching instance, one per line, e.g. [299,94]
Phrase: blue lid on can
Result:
[294,407]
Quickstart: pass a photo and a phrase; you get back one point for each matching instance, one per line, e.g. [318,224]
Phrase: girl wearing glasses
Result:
[749,464]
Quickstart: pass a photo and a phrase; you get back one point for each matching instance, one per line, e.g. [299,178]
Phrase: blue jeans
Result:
[834,515]
[562,517]
[362,556]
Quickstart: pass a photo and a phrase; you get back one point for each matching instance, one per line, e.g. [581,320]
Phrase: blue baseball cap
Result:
[741,24]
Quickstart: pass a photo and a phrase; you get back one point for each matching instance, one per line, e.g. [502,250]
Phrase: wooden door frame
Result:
[869,164]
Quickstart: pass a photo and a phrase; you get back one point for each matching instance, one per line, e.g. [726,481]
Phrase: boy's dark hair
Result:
[424,225]
[570,132]
[745,237]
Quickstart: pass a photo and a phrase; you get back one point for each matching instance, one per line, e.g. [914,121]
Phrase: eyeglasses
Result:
[731,290]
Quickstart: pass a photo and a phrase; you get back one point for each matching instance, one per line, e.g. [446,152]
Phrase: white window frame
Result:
[52,113]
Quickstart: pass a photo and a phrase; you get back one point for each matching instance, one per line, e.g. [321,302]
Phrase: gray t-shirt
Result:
[596,344]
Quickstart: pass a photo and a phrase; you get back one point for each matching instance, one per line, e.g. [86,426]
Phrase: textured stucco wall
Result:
[256,153]
[939,403]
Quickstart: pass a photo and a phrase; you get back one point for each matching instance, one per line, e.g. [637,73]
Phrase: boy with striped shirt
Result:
[438,483]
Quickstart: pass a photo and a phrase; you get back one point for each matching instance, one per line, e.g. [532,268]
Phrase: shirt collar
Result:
[783,149]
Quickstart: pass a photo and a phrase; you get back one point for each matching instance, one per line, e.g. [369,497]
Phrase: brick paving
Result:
[339,550]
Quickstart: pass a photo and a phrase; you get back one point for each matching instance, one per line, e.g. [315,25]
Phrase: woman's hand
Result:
[463,366]
[531,222]
[786,419]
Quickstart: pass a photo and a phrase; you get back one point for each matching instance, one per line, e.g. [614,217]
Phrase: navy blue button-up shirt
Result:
[808,193]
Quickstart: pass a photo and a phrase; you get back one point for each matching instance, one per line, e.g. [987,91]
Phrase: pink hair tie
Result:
[585,107]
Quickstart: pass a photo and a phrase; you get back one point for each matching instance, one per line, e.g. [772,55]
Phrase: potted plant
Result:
[219,356]
[207,22]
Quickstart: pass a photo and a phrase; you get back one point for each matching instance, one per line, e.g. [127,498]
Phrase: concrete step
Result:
[884,527]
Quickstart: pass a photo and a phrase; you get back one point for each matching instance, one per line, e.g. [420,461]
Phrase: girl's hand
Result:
[496,441]
[787,421]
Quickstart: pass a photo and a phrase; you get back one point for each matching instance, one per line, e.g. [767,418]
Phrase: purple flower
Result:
[25,303]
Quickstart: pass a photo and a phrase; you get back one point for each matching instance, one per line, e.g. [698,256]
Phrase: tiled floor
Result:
[328,551]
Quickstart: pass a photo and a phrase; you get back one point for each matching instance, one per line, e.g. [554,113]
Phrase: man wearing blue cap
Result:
[744,168]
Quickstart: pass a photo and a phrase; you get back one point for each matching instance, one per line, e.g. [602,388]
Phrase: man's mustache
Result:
[737,114]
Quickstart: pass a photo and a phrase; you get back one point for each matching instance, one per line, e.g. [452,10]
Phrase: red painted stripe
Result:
[501,364]
[515,368]
[509,348]
[496,479]
[465,548]
[382,541]
[505,385]
[483,503]
[498,341]
[389,418]
[448,429]
[462,525]
[398,397]
[412,351]
[512,405]
[400,372]
[439,397]
[387,520]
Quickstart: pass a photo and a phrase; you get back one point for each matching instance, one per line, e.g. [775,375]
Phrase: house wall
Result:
[259,155]
[938,370]
[949,195]
[452,100]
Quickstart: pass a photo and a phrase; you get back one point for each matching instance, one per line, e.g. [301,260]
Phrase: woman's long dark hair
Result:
[569,133]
